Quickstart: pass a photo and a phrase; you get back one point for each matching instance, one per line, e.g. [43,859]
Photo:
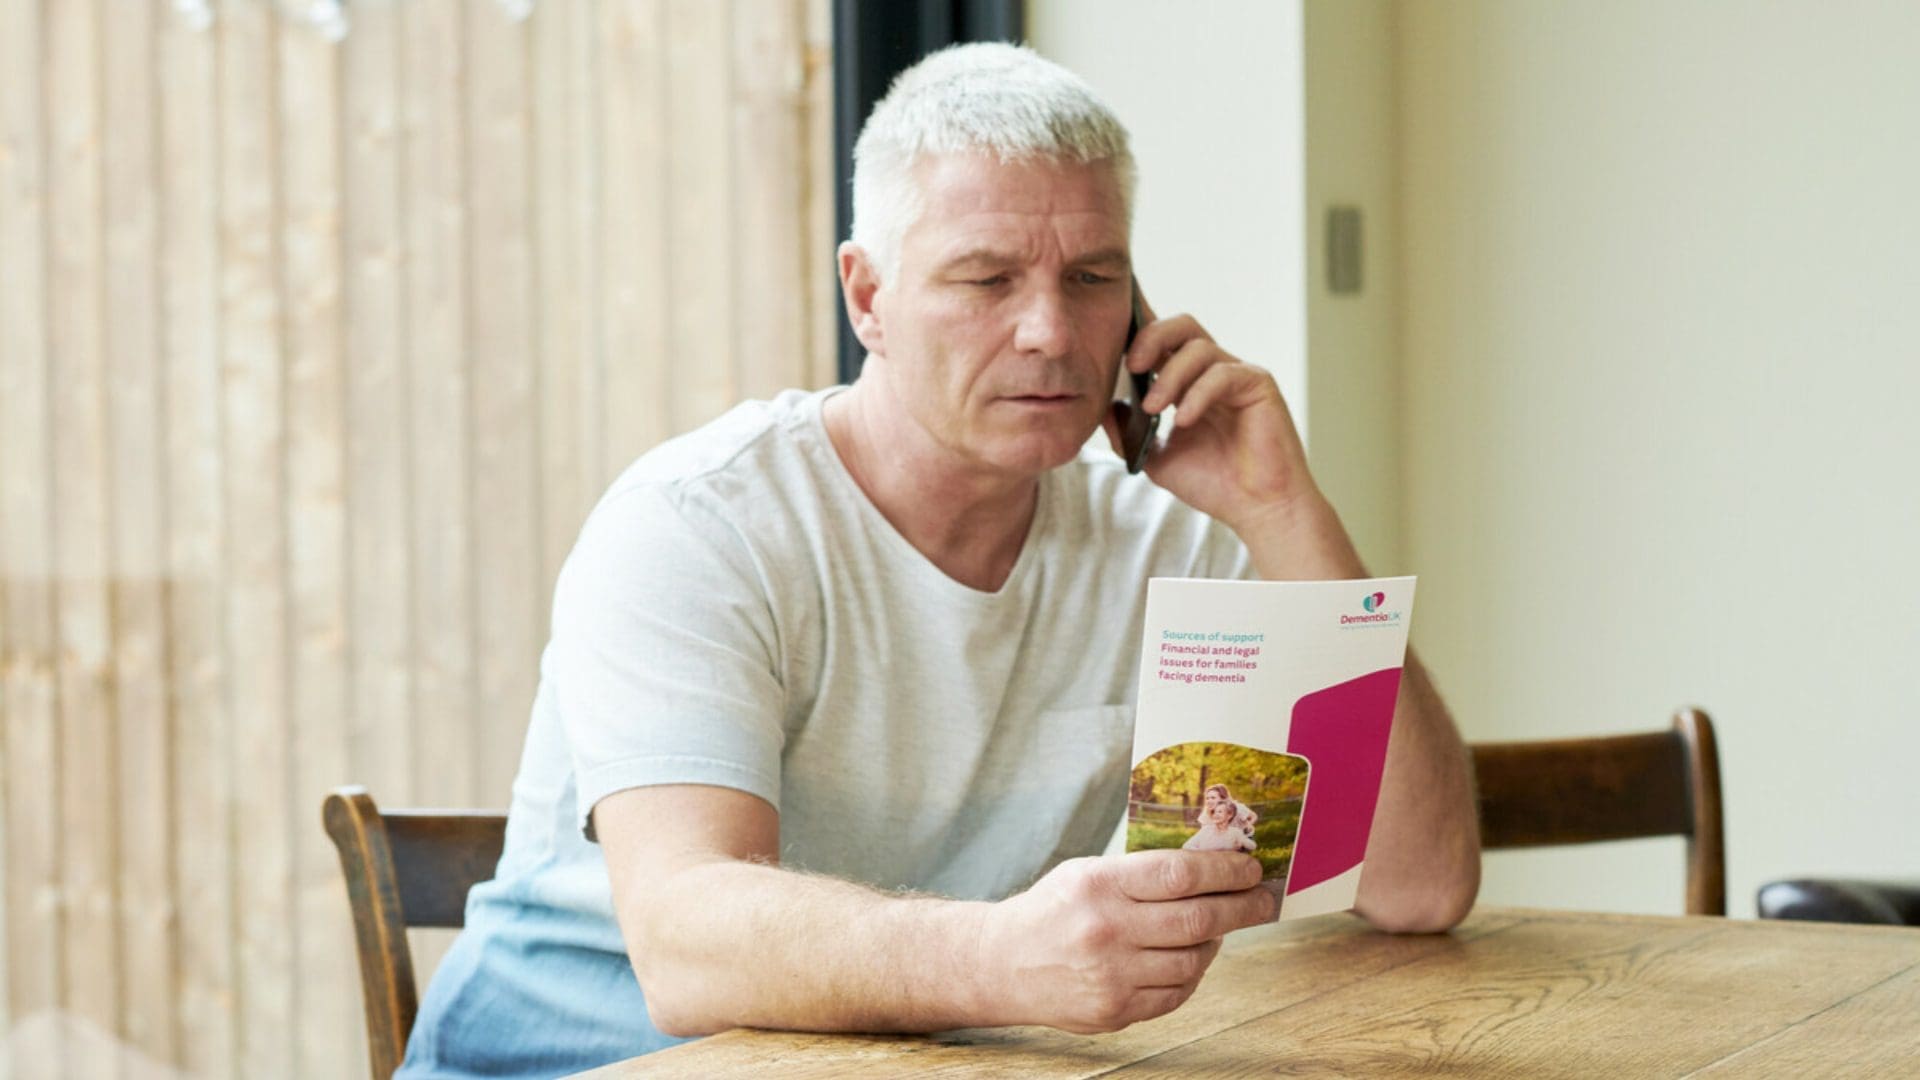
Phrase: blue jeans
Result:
[538,983]
[528,991]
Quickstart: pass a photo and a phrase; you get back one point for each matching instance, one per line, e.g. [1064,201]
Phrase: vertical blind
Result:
[314,353]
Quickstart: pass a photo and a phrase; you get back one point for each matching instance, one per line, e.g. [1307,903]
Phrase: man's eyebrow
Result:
[990,257]
[978,256]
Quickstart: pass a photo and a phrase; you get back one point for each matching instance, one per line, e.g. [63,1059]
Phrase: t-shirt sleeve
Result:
[663,653]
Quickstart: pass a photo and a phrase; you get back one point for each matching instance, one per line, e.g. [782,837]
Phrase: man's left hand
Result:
[1232,451]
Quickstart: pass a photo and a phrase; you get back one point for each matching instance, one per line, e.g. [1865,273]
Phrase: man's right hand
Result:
[1098,944]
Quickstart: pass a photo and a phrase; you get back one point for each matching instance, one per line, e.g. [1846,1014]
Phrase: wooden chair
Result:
[404,868]
[1576,791]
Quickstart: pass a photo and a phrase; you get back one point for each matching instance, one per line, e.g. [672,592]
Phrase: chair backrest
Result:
[404,868]
[1576,791]
[1886,903]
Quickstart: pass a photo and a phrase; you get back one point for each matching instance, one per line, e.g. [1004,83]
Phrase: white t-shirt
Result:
[737,613]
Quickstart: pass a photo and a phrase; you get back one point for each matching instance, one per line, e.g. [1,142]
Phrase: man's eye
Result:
[997,279]
[1088,277]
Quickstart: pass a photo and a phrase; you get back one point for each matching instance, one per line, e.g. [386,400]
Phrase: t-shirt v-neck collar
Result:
[820,444]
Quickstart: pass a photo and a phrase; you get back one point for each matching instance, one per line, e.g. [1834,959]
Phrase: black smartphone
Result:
[1137,428]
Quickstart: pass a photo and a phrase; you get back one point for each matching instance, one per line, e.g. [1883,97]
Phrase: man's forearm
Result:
[1423,859]
[728,943]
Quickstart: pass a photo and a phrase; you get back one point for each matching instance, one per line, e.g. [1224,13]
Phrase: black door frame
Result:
[874,40]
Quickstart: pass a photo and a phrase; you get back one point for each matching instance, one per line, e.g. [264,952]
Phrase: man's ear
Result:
[859,281]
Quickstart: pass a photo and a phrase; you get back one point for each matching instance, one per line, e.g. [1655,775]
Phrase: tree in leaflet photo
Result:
[1174,796]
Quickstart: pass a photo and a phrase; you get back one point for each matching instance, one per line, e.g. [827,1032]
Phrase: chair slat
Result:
[441,855]
[1576,791]
[403,869]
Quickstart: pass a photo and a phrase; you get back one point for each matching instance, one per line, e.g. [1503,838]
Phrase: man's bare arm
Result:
[1423,858]
[720,936]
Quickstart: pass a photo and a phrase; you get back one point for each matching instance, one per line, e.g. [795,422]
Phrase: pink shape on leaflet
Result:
[1342,732]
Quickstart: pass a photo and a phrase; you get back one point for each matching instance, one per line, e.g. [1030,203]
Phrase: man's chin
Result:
[1035,455]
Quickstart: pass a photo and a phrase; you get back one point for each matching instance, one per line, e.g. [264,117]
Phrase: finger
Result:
[1176,924]
[1172,967]
[1156,1001]
[1158,339]
[1179,371]
[1221,381]
[1173,875]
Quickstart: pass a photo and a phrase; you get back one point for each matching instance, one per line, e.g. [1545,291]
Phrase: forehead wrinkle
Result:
[994,215]
[1027,243]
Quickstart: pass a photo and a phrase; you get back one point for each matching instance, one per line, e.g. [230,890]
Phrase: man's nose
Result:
[1044,327]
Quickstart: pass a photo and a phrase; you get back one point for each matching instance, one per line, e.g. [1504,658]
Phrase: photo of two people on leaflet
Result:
[1225,825]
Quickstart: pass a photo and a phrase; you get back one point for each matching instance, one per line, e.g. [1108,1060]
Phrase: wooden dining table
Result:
[1509,993]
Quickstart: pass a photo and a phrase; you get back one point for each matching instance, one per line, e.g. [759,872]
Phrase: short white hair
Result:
[984,97]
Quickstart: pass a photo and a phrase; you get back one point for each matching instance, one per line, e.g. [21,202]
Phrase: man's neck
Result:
[970,522]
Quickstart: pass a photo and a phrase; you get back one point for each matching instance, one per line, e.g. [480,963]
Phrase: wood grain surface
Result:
[314,355]
[1510,993]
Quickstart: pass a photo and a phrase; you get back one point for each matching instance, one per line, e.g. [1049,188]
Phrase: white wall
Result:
[1212,96]
[1662,344]
[1353,340]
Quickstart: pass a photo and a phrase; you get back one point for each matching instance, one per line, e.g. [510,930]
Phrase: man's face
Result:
[1004,324]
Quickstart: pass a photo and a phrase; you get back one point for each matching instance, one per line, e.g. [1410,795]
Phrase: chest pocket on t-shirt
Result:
[1073,790]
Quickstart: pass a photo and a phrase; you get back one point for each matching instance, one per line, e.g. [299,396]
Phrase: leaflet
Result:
[1262,725]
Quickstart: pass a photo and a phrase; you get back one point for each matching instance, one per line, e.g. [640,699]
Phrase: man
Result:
[840,684]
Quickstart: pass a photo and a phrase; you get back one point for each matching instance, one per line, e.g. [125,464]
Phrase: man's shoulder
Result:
[754,477]
[698,503]
[746,440]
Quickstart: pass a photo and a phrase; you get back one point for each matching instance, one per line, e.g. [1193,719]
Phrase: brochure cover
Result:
[1262,725]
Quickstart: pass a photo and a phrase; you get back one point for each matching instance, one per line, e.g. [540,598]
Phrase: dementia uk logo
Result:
[1376,615]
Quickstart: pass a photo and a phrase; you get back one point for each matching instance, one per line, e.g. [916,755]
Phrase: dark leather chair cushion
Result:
[1893,903]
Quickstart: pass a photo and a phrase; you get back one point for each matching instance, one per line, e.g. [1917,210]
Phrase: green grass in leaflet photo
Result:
[1219,797]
